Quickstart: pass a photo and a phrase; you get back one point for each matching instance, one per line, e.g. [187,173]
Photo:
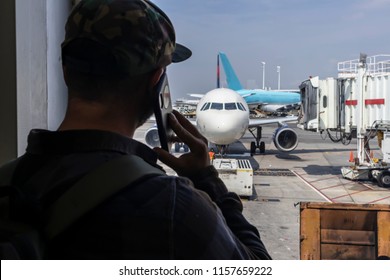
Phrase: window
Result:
[241,107]
[230,106]
[217,106]
[205,106]
[325,101]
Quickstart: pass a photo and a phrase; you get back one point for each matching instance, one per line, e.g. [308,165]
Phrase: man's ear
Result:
[156,76]
[65,74]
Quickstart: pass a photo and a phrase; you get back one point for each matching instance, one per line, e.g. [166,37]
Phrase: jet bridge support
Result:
[355,105]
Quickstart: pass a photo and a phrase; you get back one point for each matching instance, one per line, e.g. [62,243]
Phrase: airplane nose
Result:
[224,125]
[222,129]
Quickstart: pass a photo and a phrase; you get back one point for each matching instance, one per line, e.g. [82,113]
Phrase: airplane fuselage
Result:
[270,97]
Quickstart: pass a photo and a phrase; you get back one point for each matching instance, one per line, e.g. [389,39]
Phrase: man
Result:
[114,54]
[211,154]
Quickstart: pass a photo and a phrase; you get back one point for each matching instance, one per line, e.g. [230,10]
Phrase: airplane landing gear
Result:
[258,144]
[222,149]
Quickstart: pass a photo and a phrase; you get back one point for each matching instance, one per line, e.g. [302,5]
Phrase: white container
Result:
[237,174]
[386,147]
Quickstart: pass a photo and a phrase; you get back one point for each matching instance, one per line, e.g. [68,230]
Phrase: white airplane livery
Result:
[222,116]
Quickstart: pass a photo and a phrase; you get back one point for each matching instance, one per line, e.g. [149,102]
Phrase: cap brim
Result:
[181,53]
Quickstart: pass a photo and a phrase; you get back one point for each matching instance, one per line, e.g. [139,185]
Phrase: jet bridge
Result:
[356,104]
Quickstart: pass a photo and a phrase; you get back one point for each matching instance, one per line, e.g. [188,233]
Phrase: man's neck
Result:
[94,115]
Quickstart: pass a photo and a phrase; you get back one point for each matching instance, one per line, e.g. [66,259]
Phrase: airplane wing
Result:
[196,95]
[256,105]
[280,121]
[274,108]
[249,94]
[289,107]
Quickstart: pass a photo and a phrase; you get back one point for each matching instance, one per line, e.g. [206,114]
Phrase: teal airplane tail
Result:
[231,77]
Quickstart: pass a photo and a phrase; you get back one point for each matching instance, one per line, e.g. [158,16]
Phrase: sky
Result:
[304,37]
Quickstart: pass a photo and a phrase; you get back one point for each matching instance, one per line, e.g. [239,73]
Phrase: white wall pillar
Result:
[32,91]
[31,61]
[41,92]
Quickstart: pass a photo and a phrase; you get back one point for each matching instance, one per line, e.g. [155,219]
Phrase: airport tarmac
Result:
[282,180]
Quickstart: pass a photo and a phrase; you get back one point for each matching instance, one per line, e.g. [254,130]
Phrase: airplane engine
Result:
[153,140]
[151,137]
[285,139]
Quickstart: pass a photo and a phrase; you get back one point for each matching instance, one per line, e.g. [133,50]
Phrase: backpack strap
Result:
[94,188]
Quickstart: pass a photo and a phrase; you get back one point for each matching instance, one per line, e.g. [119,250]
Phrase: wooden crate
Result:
[337,231]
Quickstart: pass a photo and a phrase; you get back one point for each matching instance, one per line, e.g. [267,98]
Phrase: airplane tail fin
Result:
[218,73]
[231,77]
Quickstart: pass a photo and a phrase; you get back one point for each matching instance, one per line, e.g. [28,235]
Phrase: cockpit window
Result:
[221,106]
[205,106]
[230,106]
[217,106]
[241,107]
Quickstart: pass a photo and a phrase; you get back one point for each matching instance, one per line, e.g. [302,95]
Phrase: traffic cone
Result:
[351,157]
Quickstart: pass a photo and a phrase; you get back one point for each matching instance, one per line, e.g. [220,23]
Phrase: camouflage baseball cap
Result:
[138,34]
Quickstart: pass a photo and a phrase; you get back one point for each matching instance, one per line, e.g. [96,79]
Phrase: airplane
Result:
[222,116]
[264,100]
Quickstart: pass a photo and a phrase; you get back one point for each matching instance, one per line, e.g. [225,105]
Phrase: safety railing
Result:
[376,65]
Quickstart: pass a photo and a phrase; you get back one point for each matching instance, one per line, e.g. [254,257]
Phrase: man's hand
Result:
[190,163]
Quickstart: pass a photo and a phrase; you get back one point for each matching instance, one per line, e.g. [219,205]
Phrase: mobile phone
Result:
[162,108]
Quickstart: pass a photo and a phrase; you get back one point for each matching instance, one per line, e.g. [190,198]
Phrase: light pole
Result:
[278,70]
[263,74]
